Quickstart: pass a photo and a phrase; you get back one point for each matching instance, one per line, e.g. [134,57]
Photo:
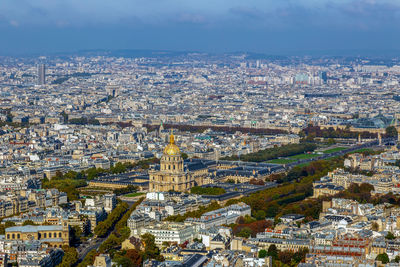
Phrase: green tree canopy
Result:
[9,224]
[390,236]
[272,251]
[391,131]
[245,232]
[28,222]
[384,258]
[151,251]
[260,215]
[262,253]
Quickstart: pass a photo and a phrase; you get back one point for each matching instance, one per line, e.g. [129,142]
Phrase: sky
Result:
[284,27]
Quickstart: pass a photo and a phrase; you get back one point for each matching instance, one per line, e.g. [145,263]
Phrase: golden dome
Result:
[172,149]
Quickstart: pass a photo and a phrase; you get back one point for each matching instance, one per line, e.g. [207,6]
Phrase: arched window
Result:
[8,236]
[49,235]
[18,236]
[59,235]
[45,235]
[13,236]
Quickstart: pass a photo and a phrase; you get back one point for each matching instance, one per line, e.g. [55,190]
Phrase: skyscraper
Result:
[323,76]
[41,74]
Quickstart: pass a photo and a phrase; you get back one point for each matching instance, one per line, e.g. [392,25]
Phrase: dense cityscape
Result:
[157,158]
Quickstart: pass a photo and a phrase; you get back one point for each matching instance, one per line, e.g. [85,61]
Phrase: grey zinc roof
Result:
[34,228]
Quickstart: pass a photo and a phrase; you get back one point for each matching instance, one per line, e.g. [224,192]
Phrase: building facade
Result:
[54,235]
[172,173]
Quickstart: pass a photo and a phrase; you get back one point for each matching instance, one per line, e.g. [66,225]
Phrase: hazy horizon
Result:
[269,27]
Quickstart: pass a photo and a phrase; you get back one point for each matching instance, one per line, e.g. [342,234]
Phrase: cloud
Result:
[254,24]
[283,13]
[247,12]
[14,23]
[190,18]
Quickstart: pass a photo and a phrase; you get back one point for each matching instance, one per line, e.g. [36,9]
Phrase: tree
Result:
[196,213]
[256,181]
[89,259]
[184,156]
[248,219]
[59,175]
[331,141]
[118,168]
[106,226]
[375,226]
[28,222]
[111,242]
[390,236]
[70,257]
[272,211]
[151,251]
[285,256]
[245,232]
[9,224]
[134,256]
[124,262]
[397,259]
[300,255]
[262,253]
[384,258]
[207,190]
[391,131]
[75,234]
[260,215]
[71,175]
[276,152]
[310,138]
[272,251]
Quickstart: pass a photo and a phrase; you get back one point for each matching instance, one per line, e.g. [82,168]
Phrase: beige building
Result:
[172,174]
[102,260]
[54,235]
[327,189]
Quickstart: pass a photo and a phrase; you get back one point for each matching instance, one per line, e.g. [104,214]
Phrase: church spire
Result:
[172,138]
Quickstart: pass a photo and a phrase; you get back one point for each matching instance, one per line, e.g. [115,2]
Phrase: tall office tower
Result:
[41,74]
[323,76]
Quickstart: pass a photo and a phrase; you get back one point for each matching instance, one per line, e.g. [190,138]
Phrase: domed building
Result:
[172,173]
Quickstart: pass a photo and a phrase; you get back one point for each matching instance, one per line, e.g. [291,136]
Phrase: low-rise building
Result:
[170,232]
[54,235]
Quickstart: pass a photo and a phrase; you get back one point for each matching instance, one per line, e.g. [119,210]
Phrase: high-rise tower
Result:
[41,74]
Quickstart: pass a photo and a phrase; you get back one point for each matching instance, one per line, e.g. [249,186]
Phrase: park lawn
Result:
[281,161]
[304,164]
[333,150]
[303,156]
[134,194]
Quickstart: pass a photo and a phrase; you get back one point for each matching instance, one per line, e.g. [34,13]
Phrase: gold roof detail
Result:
[172,149]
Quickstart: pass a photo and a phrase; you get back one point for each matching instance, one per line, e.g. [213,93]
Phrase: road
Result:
[86,247]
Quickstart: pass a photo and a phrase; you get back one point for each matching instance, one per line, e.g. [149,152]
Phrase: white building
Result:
[170,232]
[110,202]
